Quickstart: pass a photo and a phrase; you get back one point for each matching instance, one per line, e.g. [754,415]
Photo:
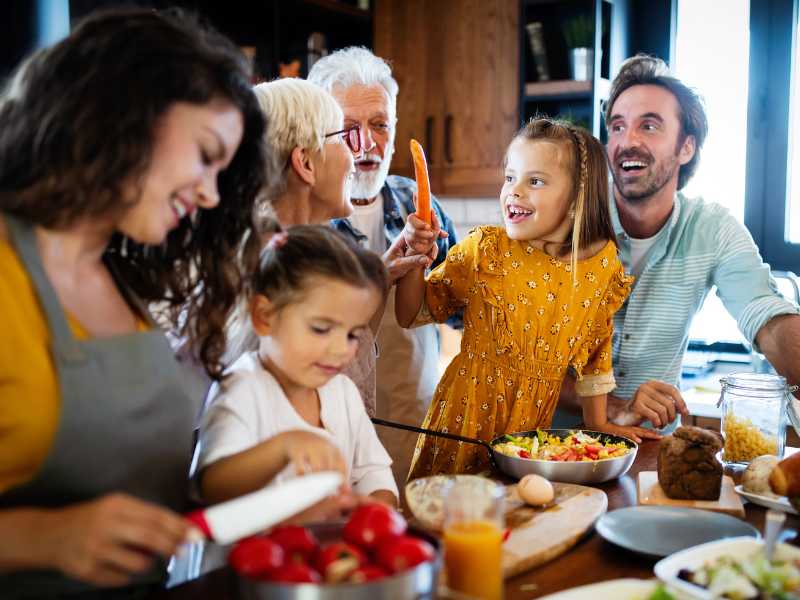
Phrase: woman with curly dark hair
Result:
[130,164]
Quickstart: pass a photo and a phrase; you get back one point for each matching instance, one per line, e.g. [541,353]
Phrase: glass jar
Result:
[753,416]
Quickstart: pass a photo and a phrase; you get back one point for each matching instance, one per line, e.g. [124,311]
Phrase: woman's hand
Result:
[106,541]
[310,453]
[398,263]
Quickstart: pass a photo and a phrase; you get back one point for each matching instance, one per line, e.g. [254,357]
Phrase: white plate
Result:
[616,589]
[668,568]
[778,503]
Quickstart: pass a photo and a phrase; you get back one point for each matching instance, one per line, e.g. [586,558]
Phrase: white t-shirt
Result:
[369,221]
[639,250]
[251,407]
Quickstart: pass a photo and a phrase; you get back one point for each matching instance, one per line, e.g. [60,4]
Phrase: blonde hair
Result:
[589,170]
[299,114]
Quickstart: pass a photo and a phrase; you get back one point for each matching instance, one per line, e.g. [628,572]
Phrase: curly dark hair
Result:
[77,126]
[649,70]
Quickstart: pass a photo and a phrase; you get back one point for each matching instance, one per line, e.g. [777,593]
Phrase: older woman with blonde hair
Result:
[311,160]
[312,152]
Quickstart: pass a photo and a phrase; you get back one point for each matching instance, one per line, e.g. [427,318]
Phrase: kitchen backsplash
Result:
[468,213]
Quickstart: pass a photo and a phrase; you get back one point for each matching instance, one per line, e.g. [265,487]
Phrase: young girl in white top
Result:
[314,292]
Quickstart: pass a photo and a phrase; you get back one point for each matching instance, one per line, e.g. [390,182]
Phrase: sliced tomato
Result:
[524,454]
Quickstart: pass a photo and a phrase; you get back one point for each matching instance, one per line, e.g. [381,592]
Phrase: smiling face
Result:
[333,169]
[310,340]
[538,190]
[645,145]
[193,143]
[371,108]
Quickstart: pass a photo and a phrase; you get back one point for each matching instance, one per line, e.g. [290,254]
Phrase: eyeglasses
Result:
[351,136]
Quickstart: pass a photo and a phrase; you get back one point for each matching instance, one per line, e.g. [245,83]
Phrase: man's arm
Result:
[779,340]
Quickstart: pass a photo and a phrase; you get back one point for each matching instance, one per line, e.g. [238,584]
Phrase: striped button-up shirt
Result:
[700,246]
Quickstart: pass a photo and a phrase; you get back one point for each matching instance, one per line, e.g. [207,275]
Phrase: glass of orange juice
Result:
[473,539]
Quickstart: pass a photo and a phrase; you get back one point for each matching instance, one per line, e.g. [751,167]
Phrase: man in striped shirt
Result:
[677,247]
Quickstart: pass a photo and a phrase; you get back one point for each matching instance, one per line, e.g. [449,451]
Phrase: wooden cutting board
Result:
[540,534]
[650,492]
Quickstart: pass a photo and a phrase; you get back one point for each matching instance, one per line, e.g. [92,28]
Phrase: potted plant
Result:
[579,35]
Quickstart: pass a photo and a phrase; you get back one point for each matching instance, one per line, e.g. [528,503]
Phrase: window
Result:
[702,25]
[773,189]
[792,234]
[723,84]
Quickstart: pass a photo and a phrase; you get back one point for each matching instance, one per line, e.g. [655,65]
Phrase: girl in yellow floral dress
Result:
[538,297]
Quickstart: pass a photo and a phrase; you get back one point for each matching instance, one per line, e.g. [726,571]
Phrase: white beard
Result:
[367,184]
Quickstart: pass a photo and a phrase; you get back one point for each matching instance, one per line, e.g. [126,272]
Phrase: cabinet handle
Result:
[448,126]
[429,140]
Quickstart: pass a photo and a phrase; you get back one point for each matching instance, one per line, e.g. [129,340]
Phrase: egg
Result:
[535,490]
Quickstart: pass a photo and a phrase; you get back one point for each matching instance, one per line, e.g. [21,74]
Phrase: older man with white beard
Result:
[407,370]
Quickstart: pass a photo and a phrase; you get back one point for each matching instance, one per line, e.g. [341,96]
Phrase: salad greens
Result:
[753,577]
[577,446]
[660,593]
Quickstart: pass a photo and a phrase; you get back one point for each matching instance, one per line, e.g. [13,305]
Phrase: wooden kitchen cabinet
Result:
[457,64]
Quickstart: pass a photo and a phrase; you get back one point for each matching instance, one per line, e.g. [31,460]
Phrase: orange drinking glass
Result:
[473,539]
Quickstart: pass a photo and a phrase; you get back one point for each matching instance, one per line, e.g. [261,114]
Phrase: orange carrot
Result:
[423,184]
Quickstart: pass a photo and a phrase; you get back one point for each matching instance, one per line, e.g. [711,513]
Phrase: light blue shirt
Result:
[700,246]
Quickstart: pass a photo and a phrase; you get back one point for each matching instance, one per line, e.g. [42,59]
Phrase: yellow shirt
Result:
[30,400]
[527,321]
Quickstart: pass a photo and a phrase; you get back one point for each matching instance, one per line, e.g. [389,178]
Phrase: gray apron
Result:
[128,411]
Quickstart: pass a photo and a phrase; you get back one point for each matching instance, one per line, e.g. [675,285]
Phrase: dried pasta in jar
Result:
[744,441]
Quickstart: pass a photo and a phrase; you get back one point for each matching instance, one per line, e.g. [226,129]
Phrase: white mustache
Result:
[369,158]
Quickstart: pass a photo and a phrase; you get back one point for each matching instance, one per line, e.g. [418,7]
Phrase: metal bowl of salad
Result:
[566,455]
[570,456]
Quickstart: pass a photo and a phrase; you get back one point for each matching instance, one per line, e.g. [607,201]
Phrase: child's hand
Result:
[310,453]
[634,433]
[331,508]
[421,237]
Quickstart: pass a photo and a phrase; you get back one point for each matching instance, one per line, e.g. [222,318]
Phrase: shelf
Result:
[340,7]
[558,90]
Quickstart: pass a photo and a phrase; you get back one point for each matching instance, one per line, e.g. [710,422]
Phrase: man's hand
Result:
[659,403]
[398,264]
[637,434]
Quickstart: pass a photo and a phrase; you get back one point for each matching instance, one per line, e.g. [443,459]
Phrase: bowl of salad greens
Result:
[566,455]
[734,568]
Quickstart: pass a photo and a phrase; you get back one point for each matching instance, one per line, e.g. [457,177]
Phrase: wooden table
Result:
[591,560]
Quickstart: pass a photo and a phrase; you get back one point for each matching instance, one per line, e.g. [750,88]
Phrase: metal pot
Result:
[418,583]
[596,471]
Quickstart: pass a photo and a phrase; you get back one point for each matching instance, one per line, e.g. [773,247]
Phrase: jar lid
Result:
[755,381]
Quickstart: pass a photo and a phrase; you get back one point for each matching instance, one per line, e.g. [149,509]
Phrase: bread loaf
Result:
[688,468]
[785,477]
